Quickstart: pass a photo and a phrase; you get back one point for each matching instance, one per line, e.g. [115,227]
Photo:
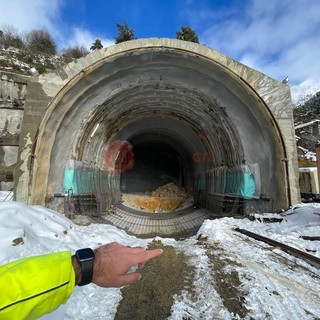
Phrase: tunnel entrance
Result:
[156,164]
[194,117]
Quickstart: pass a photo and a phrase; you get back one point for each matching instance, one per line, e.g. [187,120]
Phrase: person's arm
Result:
[32,287]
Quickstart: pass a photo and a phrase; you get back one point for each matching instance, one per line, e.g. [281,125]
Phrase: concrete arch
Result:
[191,97]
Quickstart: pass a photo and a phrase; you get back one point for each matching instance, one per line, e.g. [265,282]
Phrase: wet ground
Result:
[172,275]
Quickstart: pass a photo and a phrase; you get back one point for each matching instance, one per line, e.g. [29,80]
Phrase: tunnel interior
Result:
[188,121]
[156,163]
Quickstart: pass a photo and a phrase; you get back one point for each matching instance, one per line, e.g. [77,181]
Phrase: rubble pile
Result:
[166,198]
[169,190]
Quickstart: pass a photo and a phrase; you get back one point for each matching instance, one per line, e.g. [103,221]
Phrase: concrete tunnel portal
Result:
[188,117]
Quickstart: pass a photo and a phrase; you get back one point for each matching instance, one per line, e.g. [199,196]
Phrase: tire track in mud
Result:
[261,289]
[273,273]
[226,280]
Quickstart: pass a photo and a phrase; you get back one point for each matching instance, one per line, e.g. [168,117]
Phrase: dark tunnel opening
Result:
[156,163]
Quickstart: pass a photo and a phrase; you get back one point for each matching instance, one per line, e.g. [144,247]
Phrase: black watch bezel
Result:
[85,258]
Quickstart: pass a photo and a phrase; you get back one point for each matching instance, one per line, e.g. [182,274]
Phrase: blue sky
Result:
[277,37]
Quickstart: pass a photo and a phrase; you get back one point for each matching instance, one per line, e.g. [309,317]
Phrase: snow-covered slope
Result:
[26,62]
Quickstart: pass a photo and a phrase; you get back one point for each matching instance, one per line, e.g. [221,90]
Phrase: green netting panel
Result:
[233,183]
[248,186]
[81,182]
[241,184]
[241,181]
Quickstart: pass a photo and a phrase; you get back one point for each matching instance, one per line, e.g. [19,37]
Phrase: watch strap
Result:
[86,264]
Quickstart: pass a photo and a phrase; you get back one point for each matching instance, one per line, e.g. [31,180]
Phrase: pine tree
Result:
[125,33]
[97,45]
[187,34]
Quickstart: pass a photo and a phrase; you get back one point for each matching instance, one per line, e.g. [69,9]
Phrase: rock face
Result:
[12,104]
[308,136]
[208,110]
[20,63]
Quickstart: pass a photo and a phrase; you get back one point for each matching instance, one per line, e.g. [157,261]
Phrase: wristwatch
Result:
[85,258]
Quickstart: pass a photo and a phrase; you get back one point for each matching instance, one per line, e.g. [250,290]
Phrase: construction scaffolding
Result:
[89,190]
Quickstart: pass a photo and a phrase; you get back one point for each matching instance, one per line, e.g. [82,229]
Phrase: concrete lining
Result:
[194,98]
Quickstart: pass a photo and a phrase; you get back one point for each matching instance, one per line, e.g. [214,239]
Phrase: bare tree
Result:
[40,41]
[74,52]
[10,37]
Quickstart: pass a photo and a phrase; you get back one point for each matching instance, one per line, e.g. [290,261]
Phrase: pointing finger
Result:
[147,255]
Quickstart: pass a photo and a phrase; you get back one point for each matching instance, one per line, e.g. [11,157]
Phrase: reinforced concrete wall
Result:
[160,91]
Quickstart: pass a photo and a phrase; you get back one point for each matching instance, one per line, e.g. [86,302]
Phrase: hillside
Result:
[25,62]
[307,118]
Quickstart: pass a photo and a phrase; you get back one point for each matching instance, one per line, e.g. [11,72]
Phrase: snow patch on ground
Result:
[6,196]
[274,284]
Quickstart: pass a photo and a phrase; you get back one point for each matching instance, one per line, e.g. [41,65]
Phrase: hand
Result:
[113,261]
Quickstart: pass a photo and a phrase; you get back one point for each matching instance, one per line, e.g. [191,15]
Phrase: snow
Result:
[308,154]
[277,285]
[308,169]
[6,196]
[307,124]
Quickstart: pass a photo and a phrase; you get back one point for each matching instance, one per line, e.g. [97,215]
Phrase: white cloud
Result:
[305,90]
[83,37]
[278,38]
[41,14]
[30,15]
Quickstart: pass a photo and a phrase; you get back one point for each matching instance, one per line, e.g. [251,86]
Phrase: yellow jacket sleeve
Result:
[32,287]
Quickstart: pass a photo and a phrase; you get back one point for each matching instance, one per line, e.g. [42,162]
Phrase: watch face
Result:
[85,254]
